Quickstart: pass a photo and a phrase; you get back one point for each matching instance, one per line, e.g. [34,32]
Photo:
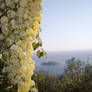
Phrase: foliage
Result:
[77,77]
[37,45]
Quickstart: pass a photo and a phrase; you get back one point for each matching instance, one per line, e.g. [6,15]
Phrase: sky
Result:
[66,25]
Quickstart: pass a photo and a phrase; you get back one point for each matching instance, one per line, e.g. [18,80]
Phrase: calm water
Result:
[61,58]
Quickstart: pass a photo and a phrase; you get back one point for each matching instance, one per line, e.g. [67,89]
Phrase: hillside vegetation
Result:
[77,77]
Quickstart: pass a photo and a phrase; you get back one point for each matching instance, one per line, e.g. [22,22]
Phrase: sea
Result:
[60,57]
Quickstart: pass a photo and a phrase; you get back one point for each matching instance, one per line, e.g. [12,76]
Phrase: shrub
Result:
[77,77]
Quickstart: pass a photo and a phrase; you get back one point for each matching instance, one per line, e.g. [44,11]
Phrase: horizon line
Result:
[69,50]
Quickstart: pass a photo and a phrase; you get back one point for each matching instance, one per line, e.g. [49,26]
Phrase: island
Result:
[50,63]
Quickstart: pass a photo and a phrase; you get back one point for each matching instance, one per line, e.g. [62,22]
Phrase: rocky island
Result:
[50,63]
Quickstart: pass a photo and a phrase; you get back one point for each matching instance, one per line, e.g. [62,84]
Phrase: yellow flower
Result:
[35,26]
[30,32]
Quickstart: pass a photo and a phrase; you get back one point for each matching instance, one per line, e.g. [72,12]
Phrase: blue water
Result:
[61,58]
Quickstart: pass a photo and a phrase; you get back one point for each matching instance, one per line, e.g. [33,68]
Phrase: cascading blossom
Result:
[19,25]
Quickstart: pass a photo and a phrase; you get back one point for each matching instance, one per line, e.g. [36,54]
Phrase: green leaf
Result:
[45,53]
[35,45]
[41,53]
[38,53]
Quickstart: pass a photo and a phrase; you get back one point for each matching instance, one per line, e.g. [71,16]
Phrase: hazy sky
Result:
[66,24]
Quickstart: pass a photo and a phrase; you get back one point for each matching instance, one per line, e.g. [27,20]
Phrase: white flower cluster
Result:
[19,25]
